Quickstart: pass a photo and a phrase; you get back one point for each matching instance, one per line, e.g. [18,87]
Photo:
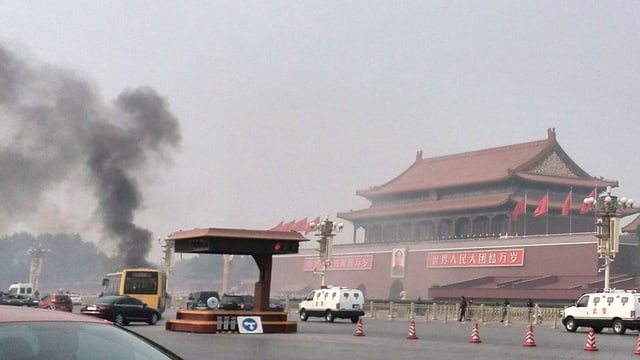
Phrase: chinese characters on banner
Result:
[477,258]
[356,262]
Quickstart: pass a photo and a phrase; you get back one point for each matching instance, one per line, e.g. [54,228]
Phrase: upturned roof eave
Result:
[590,182]
[551,147]
[429,207]
[373,194]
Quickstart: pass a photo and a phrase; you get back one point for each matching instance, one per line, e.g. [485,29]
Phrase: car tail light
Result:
[104,307]
[242,306]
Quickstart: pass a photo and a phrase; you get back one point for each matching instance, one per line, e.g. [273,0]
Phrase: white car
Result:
[331,303]
[76,299]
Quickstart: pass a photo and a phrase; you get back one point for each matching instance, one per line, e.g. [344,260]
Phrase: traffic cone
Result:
[475,334]
[359,331]
[637,352]
[591,341]
[412,330]
[528,339]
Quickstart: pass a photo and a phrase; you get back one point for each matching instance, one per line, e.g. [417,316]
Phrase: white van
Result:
[21,289]
[331,303]
[617,309]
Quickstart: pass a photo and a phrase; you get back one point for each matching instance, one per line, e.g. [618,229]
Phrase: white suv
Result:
[331,303]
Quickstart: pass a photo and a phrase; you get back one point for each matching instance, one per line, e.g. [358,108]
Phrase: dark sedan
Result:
[18,300]
[122,310]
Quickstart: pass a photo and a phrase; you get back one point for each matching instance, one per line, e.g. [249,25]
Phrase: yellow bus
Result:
[148,285]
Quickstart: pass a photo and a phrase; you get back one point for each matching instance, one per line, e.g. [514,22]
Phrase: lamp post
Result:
[608,210]
[325,233]
[169,251]
[35,266]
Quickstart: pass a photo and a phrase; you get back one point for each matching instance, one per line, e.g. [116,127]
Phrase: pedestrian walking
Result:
[530,307]
[463,309]
[505,307]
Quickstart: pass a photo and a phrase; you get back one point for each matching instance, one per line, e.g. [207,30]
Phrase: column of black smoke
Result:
[53,126]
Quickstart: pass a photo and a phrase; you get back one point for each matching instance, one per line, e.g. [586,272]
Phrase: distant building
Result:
[467,225]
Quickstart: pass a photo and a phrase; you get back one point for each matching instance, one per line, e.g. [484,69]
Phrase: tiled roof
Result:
[423,207]
[632,227]
[460,169]
[576,182]
[480,167]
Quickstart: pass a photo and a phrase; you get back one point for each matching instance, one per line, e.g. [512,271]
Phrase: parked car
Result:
[76,299]
[122,310]
[29,333]
[56,301]
[18,300]
[201,300]
[236,302]
[275,305]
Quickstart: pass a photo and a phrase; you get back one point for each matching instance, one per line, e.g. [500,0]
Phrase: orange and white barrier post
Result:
[359,330]
[475,334]
[591,341]
[529,339]
[412,330]
[637,352]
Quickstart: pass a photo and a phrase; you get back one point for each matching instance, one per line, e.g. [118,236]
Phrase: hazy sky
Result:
[287,108]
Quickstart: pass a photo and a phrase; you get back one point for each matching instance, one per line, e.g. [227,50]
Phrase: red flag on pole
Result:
[277,227]
[288,226]
[585,208]
[519,209]
[566,206]
[543,206]
[301,226]
[315,221]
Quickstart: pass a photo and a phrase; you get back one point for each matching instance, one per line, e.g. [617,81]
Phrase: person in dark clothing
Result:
[420,307]
[505,306]
[530,307]
[463,309]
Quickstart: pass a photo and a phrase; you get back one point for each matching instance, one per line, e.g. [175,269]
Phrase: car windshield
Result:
[228,298]
[67,340]
[206,295]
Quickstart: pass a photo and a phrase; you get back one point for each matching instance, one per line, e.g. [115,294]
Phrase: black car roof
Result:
[109,299]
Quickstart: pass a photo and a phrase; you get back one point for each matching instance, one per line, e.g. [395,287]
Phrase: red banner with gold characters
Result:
[354,262]
[476,258]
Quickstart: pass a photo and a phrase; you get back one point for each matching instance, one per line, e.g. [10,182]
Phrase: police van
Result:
[21,289]
[615,309]
[332,302]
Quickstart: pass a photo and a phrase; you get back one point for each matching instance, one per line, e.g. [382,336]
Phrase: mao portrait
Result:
[398,262]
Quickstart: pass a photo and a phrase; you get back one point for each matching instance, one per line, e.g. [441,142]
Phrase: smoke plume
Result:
[55,129]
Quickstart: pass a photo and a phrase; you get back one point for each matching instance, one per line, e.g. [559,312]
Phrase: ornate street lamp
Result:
[35,266]
[168,249]
[608,211]
[326,233]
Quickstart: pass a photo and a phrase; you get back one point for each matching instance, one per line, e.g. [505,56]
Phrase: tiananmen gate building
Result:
[504,222]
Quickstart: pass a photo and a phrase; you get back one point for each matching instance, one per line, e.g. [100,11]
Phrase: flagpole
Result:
[525,215]
[547,212]
[595,213]
[570,202]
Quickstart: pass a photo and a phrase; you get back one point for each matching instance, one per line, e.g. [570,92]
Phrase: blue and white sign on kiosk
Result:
[249,325]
